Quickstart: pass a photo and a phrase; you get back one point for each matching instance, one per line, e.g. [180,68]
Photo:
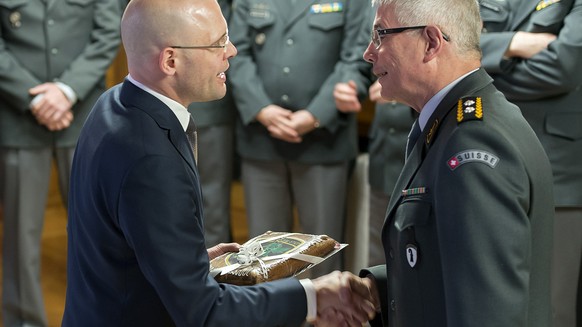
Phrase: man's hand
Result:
[62,123]
[346,97]
[343,299]
[303,122]
[52,106]
[277,120]
[526,45]
[222,248]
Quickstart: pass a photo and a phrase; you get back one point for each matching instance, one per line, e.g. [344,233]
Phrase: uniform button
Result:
[260,38]
[393,305]
[391,130]
[285,98]
[50,22]
[290,42]
[286,70]
[54,51]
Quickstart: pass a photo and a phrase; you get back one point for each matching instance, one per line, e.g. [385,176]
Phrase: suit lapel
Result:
[133,96]
[525,9]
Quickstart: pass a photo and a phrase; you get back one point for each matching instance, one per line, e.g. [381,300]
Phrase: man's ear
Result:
[167,61]
[435,41]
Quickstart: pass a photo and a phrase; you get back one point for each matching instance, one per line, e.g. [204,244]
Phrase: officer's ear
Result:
[435,40]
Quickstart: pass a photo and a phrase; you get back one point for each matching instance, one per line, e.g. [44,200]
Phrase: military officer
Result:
[468,230]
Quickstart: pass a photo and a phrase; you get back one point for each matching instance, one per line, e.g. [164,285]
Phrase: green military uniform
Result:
[72,42]
[468,232]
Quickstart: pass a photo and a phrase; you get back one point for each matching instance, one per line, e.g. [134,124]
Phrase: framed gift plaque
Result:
[271,256]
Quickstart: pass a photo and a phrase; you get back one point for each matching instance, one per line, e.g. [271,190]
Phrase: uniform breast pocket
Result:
[11,4]
[565,125]
[412,211]
[260,19]
[549,19]
[326,21]
[412,232]
[495,15]
[82,3]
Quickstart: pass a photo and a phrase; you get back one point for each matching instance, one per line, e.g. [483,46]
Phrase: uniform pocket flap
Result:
[261,20]
[81,2]
[11,4]
[412,211]
[493,11]
[565,124]
[326,21]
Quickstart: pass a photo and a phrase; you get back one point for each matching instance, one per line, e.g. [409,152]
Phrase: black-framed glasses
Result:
[222,44]
[378,34]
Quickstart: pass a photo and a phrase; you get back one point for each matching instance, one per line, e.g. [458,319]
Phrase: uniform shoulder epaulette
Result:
[469,108]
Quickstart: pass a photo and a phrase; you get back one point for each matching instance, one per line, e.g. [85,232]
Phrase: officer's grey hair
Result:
[458,19]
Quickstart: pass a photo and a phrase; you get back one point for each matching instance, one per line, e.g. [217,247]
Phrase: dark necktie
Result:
[192,137]
[412,137]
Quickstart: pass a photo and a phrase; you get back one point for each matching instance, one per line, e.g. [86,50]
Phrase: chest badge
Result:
[412,255]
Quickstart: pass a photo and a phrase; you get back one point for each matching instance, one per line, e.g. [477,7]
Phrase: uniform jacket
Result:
[388,133]
[72,41]
[468,230]
[136,253]
[547,87]
[294,59]
[222,111]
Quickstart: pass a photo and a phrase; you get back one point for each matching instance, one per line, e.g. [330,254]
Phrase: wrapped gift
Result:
[272,256]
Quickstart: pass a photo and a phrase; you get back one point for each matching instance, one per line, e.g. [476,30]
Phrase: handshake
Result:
[344,299]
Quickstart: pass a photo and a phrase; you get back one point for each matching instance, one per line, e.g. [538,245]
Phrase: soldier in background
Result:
[295,146]
[53,59]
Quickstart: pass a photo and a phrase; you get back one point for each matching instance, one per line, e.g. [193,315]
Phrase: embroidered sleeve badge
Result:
[469,108]
[468,156]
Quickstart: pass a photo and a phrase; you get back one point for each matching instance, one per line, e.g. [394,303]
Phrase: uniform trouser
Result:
[566,267]
[271,189]
[378,205]
[25,180]
[215,165]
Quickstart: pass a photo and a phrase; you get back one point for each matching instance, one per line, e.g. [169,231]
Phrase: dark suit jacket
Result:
[136,253]
[473,247]
[547,87]
[72,41]
[293,58]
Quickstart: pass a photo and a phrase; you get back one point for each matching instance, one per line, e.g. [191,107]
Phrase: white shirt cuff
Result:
[68,91]
[311,299]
